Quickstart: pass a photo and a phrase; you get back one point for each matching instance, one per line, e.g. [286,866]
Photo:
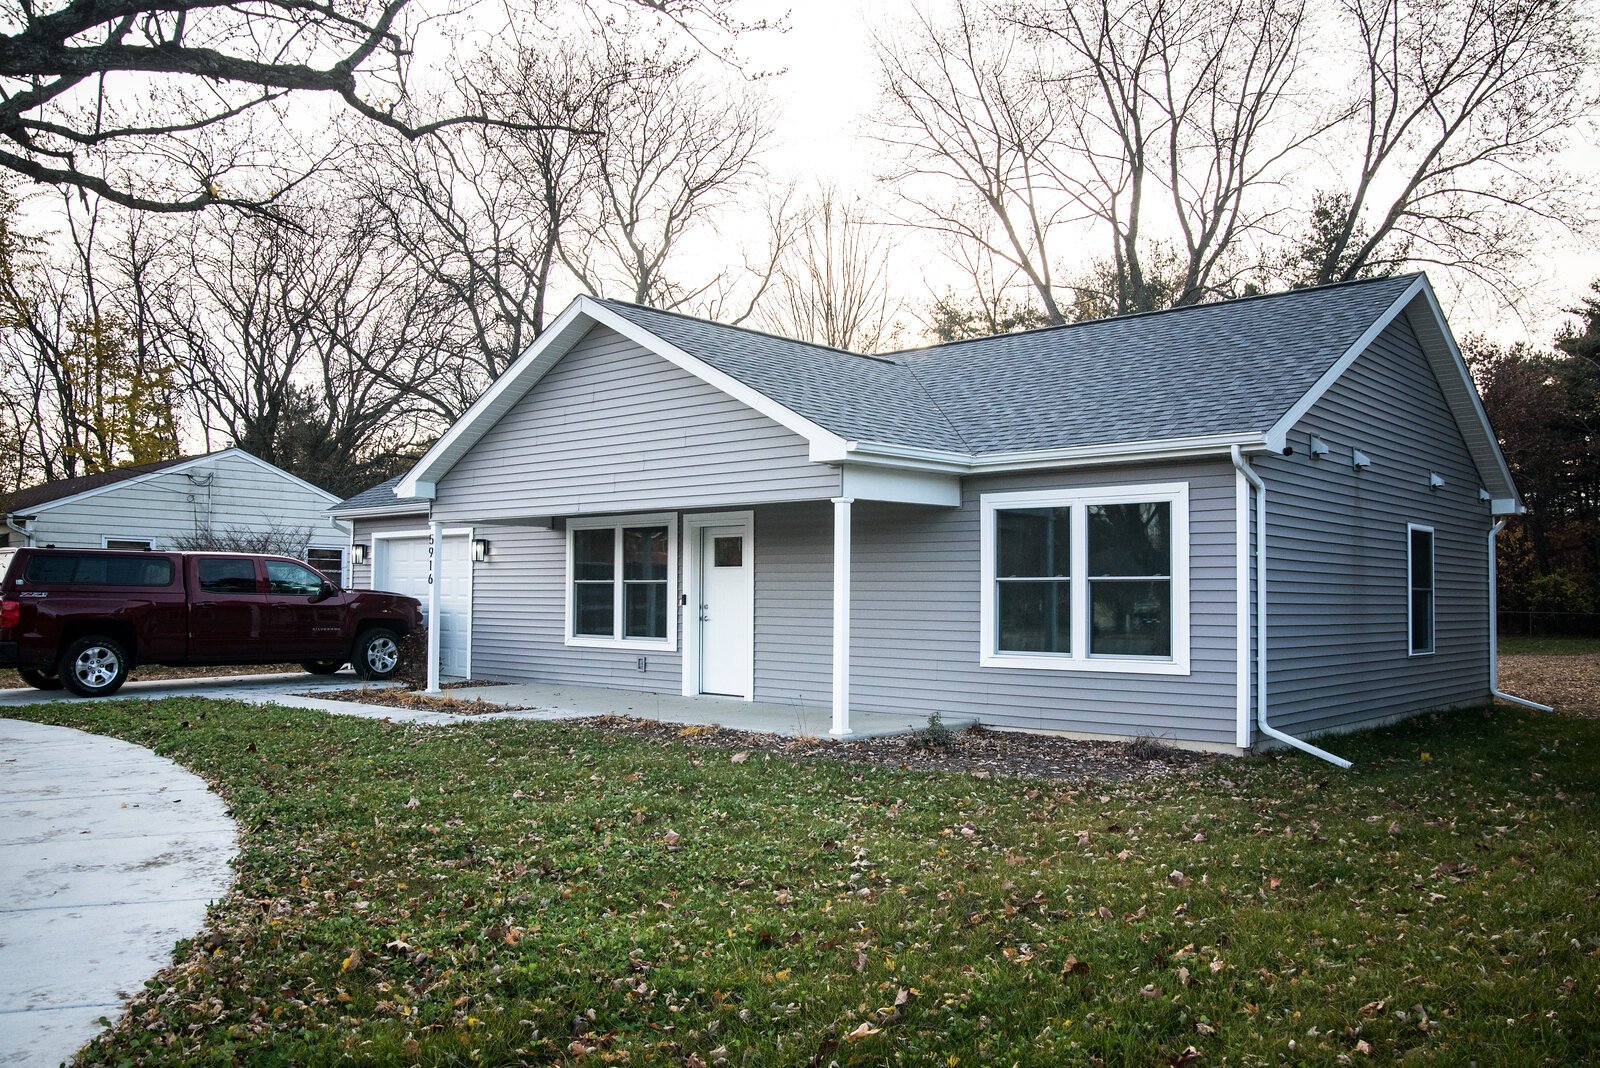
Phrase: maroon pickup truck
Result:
[81,618]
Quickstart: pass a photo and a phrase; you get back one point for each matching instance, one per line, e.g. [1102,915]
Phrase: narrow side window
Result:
[1421,595]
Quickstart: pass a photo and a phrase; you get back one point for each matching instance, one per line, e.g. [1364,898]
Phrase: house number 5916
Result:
[430,561]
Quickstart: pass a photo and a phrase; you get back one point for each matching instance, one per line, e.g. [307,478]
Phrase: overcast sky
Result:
[828,92]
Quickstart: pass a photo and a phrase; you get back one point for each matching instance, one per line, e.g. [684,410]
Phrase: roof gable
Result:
[1190,380]
[71,490]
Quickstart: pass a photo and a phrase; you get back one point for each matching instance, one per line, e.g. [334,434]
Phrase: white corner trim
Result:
[1079,499]
[668,644]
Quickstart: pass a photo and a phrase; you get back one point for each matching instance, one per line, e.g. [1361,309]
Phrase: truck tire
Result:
[93,666]
[377,653]
[322,667]
[40,680]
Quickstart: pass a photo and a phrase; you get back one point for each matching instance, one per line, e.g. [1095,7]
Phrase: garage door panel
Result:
[403,568]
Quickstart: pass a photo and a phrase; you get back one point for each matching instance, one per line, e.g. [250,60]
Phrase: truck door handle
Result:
[205,604]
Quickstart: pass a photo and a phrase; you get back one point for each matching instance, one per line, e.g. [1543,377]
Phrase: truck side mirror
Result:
[328,590]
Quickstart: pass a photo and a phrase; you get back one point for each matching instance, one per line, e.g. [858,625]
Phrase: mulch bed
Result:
[1569,683]
[975,750]
[397,697]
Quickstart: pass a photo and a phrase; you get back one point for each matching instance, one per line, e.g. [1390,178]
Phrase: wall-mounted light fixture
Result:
[480,549]
[1319,448]
[358,553]
[1435,480]
[1360,460]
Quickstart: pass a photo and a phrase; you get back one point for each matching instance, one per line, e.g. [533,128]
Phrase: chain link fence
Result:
[1534,624]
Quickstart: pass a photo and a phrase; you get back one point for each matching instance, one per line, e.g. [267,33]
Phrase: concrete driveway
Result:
[109,854]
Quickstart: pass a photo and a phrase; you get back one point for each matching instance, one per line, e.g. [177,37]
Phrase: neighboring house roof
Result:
[69,490]
[379,500]
[1174,382]
[49,492]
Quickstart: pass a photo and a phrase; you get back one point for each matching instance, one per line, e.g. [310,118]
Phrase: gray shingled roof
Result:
[1231,367]
[379,496]
[46,492]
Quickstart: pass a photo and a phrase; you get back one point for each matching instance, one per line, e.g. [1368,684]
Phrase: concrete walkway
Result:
[108,855]
[533,700]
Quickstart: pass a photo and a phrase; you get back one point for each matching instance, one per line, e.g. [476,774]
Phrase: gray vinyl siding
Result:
[364,529]
[915,624]
[226,491]
[614,427]
[1337,580]
[519,621]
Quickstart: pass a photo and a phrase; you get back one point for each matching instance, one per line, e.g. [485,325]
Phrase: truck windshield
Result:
[60,569]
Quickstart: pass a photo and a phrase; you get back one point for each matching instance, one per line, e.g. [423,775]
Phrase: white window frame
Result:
[1079,499]
[107,539]
[1433,586]
[617,523]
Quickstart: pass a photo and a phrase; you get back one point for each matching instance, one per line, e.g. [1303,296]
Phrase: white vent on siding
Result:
[1360,460]
[1319,448]
[1435,480]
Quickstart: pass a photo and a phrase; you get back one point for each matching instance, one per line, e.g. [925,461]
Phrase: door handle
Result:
[205,604]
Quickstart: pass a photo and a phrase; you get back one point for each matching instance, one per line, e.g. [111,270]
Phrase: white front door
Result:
[727,610]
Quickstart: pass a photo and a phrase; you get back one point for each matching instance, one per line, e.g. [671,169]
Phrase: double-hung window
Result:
[621,581]
[1092,579]
[1420,590]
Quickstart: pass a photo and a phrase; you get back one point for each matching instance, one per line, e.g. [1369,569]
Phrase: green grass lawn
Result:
[539,893]
[1549,646]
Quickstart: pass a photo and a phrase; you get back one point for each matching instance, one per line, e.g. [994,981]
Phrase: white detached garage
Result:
[392,554]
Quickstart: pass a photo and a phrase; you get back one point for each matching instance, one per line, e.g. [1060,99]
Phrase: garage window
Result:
[621,575]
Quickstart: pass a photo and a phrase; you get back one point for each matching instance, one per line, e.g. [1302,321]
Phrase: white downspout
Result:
[1494,628]
[1261,619]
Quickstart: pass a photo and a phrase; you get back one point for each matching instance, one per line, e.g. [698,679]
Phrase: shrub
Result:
[937,734]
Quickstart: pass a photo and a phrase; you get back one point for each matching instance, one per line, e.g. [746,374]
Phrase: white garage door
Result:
[402,567]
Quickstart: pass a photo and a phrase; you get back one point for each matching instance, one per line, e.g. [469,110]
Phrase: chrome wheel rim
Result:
[382,655]
[96,667]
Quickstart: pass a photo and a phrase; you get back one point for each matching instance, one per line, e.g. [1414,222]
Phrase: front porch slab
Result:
[766,717]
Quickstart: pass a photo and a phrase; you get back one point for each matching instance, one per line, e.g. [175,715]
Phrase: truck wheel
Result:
[377,653]
[40,680]
[93,666]
[322,667]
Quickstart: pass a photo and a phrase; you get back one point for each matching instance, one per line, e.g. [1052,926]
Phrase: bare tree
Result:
[1458,103]
[1177,119]
[973,121]
[85,392]
[314,346]
[833,282]
[677,151]
[150,104]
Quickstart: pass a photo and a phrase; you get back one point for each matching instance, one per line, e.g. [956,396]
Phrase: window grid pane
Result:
[1130,617]
[593,609]
[1034,543]
[1034,616]
[1131,540]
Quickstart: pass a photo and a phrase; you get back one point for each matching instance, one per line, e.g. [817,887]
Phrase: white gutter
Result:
[1494,629]
[1261,619]
[27,537]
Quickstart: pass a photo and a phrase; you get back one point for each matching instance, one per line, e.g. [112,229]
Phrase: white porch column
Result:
[841,616]
[435,560]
